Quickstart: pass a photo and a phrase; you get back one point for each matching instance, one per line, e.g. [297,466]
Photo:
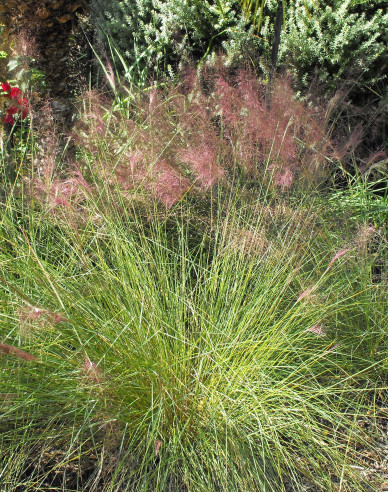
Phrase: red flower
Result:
[15,93]
[12,110]
[8,119]
[23,103]
[6,87]
[21,107]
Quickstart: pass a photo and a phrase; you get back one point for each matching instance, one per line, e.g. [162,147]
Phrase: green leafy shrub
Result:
[331,41]
[342,39]
[155,33]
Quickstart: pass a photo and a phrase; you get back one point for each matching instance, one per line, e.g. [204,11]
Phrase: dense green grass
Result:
[167,363]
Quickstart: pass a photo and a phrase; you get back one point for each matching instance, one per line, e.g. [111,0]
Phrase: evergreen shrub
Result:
[156,34]
[337,40]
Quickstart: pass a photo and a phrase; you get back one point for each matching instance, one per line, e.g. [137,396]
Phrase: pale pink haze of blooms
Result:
[169,186]
[158,444]
[284,178]
[92,371]
[110,74]
[188,138]
[61,193]
[305,293]
[17,352]
[317,330]
[340,253]
[204,162]
[35,313]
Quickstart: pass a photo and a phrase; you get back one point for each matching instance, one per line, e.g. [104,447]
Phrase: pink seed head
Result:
[317,330]
[340,253]
[92,371]
[305,293]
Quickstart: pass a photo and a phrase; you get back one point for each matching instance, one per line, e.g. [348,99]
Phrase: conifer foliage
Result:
[337,40]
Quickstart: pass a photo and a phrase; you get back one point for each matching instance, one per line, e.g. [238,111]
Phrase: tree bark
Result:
[276,37]
[275,50]
[51,24]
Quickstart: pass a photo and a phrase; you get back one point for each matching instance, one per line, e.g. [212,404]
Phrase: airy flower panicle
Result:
[317,330]
[305,293]
[17,352]
[340,253]
[188,138]
[91,370]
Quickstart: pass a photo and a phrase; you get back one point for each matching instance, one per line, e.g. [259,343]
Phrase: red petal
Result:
[8,119]
[6,87]
[23,102]
[15,92]
[12,110]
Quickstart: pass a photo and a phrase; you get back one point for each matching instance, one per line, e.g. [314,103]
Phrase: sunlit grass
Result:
[180,366]
[228,339]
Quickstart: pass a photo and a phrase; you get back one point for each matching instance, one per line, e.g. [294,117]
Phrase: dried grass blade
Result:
[10,349]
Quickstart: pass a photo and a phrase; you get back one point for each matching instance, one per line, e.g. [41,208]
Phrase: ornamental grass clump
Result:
[235,345]
[166,366]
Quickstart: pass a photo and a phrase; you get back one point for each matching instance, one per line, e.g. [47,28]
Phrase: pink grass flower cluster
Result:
[305,293]
[187,138]
[169,186]
[33,318]
[15,351]
[92,371]
[30,314]
[204,162]
[317,330]
[52,189]
[364,237]
[273,133]
[339,254]
[284,178]
[58,192]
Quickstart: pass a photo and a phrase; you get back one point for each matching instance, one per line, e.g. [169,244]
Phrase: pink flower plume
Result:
[340,253]
[317,330]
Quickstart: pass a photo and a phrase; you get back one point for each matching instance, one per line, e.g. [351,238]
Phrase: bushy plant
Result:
[336,41]
[160,35]
[243,360]
[323,42]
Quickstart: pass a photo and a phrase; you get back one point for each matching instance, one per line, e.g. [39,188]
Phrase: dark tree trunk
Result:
[276,37]
[275,50]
